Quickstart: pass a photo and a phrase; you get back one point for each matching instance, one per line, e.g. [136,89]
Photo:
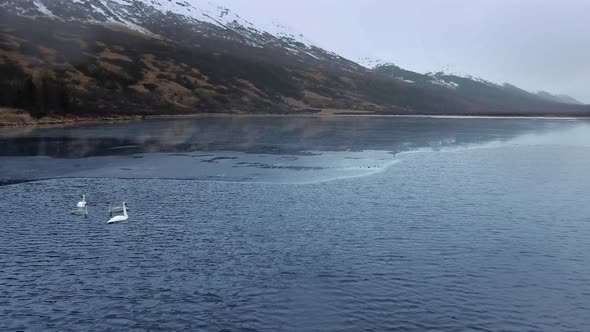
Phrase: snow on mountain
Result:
[442,78]
[446,84]
[480,80]
[207,17]
[218,14]
[467,85]
[370,62]
[44,9]
[449,75]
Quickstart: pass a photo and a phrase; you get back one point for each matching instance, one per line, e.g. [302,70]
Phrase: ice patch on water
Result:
[310,167]
[301,167]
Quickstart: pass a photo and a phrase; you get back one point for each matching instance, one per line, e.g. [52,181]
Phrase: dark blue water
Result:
[466,230]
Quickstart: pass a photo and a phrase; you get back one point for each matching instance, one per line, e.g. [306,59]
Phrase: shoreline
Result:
[74,121]
[16,118]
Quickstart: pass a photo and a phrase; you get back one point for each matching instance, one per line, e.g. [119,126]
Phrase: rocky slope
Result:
[130,57]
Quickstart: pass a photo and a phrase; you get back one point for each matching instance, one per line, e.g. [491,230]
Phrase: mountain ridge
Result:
[378,65]
[101,57]
[560,98]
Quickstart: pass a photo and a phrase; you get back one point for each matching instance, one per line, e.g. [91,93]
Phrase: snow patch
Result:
[446,84]
[41,7]
[100,11]
[370,62]
[405,80]
[480,80]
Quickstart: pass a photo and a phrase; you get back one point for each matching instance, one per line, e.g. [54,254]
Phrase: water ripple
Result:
[460,240]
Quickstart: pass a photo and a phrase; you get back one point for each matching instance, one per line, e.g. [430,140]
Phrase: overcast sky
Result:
[535,44]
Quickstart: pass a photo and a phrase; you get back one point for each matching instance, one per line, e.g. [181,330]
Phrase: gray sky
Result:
[535,44]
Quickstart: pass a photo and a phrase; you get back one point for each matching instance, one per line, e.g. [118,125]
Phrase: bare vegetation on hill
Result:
[57,68]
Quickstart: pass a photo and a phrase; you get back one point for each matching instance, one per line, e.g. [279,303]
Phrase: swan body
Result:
[82,203]
[121,217]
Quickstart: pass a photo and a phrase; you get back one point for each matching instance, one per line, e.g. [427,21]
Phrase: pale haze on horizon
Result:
[534,44]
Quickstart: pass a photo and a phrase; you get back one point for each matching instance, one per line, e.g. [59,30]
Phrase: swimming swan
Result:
[82,203]
[122,217]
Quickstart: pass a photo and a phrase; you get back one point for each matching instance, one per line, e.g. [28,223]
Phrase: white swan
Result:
[82,203]
[122,217]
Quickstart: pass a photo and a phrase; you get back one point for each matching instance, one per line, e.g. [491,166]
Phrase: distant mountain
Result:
[559,98]
[116,57]
[478,90]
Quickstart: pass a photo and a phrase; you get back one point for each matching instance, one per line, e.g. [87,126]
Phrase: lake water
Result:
[298,224]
